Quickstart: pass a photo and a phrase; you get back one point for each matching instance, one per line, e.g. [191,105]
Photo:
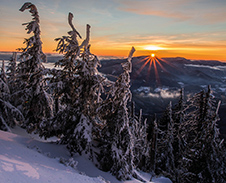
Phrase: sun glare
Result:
[154,48]
[152,55]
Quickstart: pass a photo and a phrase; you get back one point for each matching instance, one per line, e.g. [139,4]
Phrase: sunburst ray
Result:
[154,61]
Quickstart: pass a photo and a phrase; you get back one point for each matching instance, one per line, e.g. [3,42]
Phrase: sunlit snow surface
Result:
[26,158]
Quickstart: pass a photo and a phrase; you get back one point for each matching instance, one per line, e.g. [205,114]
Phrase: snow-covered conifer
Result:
[215,150]
[4,88]
[32,98]
[117,151]
[9,115]
[179,145]
[152,144]
[204,146]
[11,72]
[77,90]
[64,86]
[139,132]
[3,73]
[166,161]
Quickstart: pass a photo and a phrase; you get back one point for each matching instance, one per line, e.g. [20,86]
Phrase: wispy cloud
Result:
[197,12]
[155,8]
[207,45]
[176,15]
[212,17]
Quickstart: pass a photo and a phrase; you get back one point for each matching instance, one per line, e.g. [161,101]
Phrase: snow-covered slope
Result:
[26,158]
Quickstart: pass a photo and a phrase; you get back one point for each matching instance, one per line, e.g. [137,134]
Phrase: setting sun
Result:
[152,61]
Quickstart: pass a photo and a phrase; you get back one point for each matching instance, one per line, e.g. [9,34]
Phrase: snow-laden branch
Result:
[33,10]
[85,43]
[70,17]
[127,66]
[34,43]
[131,54]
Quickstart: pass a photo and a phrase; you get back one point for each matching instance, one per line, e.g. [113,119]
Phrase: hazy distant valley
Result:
[153,89]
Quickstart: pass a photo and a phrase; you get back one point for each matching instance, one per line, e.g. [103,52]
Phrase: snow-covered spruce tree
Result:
[193,124]
[179,145]
[214,149]
[186,135]
[31,97]
[116,152]
[180,149]
[4,89]
[11,72]
[165,158]
[64,86]
[4,95]
[9,115]
[89,88]
[3,73]
[152,145]
[179,114]
[207,153]
[139,132]
[77,88]
[172,144]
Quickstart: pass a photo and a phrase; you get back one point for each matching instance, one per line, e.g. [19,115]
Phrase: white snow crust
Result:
[27,158]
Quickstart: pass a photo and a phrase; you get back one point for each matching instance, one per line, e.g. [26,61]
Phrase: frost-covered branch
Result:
[34,43]
[70,17]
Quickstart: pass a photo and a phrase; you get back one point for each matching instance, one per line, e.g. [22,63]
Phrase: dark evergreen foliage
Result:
[195,151]
[139,135]
[31,96]
[77,91]
[3,73]
[165,156]
[206,151]
[152,145]
[9,115]
[11,72]
[117,135]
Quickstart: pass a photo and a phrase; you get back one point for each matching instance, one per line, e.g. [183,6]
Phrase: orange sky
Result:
[105,48]
[180,28]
